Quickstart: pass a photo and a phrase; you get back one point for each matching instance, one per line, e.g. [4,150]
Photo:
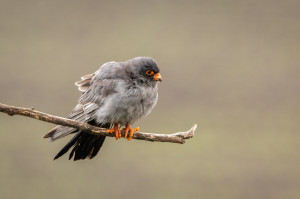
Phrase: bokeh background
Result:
[232,67]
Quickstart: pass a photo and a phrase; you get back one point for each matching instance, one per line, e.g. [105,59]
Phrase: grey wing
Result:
[83,111]
[95,87]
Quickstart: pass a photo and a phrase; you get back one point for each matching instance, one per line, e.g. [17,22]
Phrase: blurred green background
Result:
[232,67]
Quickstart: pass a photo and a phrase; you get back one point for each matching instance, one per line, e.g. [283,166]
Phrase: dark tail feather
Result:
[84,145]
[87,146]
[97,147]
[68,146]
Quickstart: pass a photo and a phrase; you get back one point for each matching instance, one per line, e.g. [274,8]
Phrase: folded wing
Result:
[83,112]
[95,88]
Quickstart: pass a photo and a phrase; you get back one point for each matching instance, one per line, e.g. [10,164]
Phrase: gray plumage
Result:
[118,92]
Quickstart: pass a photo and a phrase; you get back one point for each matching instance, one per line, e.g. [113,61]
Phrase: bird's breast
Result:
[128,104]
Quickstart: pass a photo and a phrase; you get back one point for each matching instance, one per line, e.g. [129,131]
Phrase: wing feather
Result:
[95,87]
[89,76]
[85,82]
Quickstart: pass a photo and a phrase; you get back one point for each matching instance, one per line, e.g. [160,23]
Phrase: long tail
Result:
[84,145]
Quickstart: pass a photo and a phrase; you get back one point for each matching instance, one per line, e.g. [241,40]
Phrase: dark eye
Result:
[149,72]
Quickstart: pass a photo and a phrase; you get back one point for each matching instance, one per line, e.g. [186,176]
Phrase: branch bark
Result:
[179,137]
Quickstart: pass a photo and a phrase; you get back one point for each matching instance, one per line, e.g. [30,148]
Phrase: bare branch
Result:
[179,137]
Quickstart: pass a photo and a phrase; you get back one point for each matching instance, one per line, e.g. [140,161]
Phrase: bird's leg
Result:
[128,129]
[115,130]
[131,132]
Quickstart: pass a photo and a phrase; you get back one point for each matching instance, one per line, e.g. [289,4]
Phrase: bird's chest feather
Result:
[128,104]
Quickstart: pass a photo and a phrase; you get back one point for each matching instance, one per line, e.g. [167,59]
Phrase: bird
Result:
[115,96]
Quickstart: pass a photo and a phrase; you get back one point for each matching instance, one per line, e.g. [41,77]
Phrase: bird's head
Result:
[146,68]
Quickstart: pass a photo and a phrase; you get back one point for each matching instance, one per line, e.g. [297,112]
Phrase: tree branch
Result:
[179,137]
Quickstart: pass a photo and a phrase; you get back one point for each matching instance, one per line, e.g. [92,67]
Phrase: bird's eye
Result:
[149,72]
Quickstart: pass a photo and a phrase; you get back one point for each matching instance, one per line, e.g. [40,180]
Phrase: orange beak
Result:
[157,77]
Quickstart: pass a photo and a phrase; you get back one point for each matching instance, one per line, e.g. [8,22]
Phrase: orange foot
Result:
[115,130]
[128,129]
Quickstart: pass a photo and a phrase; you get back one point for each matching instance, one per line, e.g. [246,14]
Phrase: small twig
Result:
[179,137]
